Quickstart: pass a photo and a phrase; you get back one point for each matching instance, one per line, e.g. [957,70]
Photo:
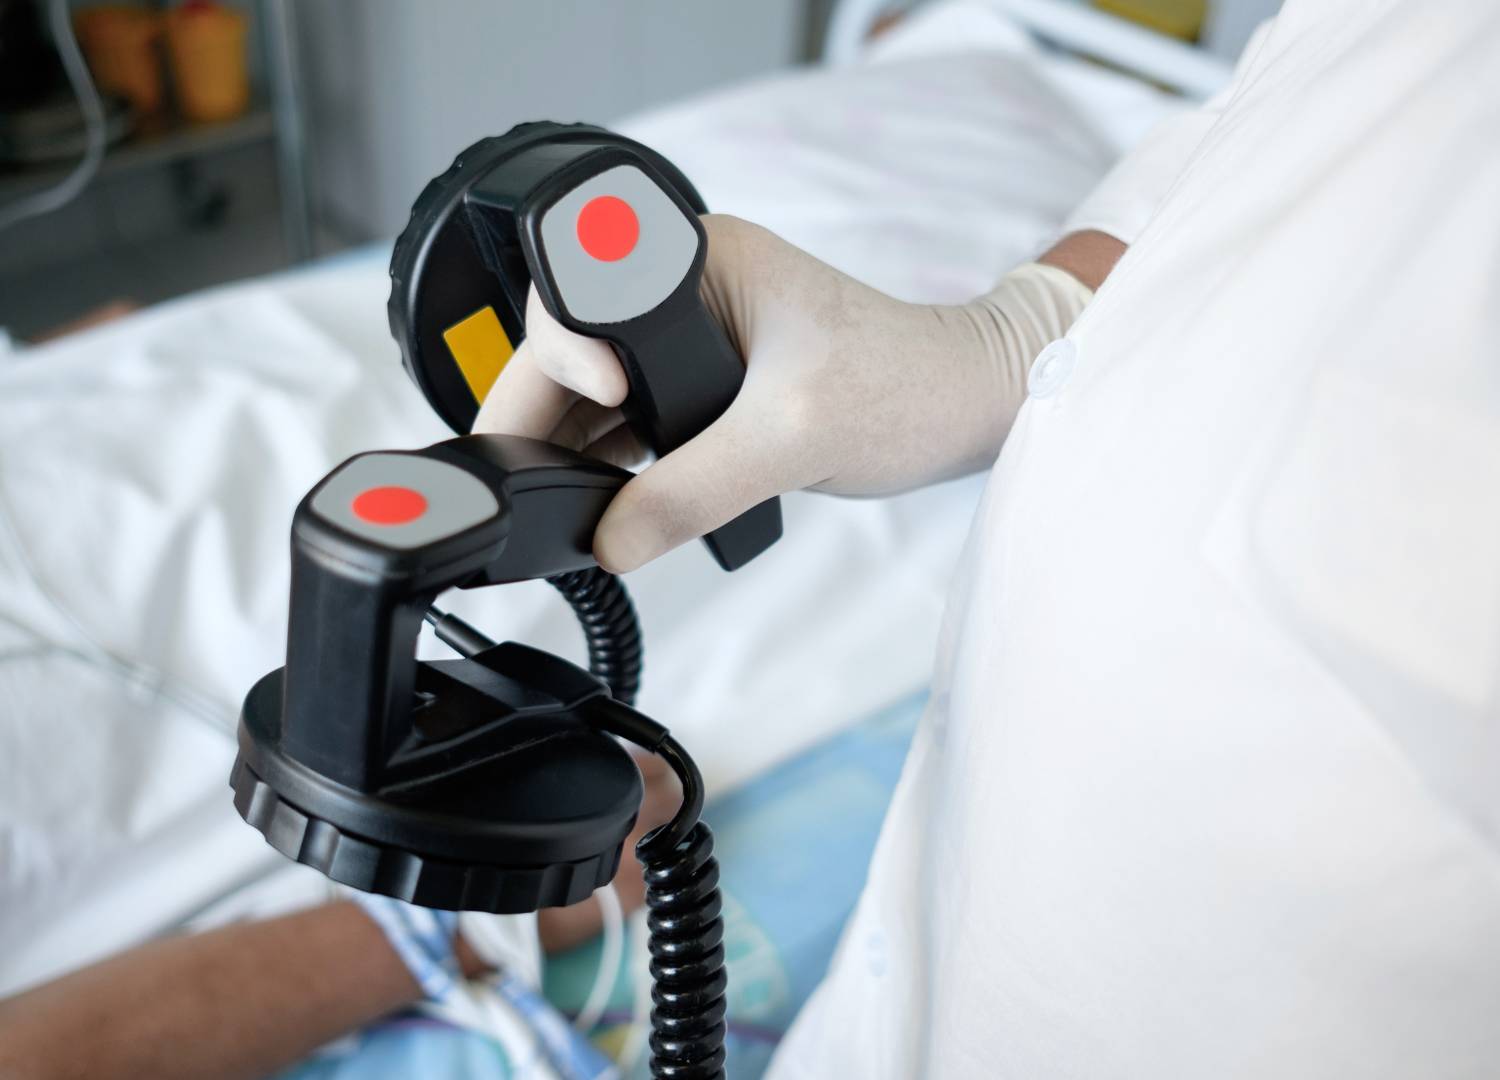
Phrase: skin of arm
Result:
[240,1001]
[1089,256]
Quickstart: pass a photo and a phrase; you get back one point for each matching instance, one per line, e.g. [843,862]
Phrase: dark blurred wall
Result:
[395,87]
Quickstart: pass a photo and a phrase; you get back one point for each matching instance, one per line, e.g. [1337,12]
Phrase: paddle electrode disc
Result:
[490,836]
[459,276]
[474,784]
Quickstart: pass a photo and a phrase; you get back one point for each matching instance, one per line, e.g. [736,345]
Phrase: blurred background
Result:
[242,137]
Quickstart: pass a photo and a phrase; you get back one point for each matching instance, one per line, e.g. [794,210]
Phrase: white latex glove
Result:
[846,390]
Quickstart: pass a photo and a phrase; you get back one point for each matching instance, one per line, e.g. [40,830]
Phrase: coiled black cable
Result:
[687,957]
[609,625]
[684,914]
[685,908]
[682,876]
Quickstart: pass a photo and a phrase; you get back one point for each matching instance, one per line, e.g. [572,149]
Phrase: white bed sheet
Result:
[148,470]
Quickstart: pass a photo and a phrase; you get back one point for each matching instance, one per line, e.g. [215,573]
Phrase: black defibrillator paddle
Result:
[608,232]
[494,781]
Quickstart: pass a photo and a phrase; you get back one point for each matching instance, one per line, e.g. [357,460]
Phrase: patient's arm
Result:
[252,998]
[240,1001]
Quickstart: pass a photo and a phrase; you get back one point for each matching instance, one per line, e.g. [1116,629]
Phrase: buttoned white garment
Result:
[1210,782]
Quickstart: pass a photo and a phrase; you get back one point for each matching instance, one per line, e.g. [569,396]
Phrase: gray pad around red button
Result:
[455,499]
[612,290]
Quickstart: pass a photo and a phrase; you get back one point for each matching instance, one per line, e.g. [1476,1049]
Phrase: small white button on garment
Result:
[1054,366]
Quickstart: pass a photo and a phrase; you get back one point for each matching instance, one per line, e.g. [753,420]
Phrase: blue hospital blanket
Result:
[793,847]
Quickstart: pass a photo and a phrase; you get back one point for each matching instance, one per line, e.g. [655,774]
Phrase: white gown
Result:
[1210,784]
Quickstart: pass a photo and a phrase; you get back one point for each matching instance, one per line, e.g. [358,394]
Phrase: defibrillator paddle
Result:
[495,781]
[608,232]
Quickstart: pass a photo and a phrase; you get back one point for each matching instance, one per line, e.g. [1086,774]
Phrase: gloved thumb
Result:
[730,467]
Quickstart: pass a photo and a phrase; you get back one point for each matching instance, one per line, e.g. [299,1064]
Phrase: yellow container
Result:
[1176,18]
[206,44]
[121,45]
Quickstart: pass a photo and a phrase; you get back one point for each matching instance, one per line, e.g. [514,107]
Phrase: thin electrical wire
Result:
[479,1007]
[638,1036]
[611,958]
[71,186]
[142,677]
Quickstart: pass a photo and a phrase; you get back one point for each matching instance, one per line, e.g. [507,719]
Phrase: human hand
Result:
[846,390]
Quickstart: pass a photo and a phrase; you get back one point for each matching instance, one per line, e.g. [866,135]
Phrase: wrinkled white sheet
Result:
[148,471]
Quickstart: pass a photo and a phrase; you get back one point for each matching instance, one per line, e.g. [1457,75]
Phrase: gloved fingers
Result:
[733,465]
[551,369]
[585,365]
[524,400]
[584,423]
[618,447]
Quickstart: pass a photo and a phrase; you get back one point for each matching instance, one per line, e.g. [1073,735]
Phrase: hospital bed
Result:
[148,470]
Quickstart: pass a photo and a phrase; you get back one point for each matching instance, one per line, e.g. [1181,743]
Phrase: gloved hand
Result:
[846,390]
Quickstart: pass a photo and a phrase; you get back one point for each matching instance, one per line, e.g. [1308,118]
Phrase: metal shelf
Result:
[176,141]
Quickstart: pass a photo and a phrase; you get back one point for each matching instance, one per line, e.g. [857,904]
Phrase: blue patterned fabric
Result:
[423,938]
[793,848]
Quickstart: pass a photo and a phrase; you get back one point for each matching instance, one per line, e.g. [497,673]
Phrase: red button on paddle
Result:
[608,228]
[389,505]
